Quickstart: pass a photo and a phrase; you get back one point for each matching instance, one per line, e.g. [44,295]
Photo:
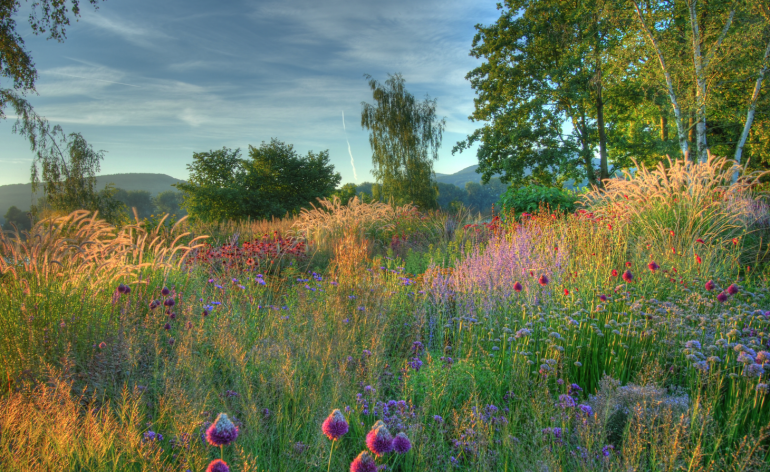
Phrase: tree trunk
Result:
[669,83]
[700,81]
[603,169]
[750,113]
[587,158]
[663,128]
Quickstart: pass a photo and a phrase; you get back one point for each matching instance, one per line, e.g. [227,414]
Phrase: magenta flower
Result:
[363,463]
[627,276]
[222,432]
[603,298]
[165,291]
[379,440]
[722,297]
[517,287]
[543,280]
[169,302]
[710,285]
[102,345]
[653,266]
[615,272]
[335,426]
[732,289]
[401,443]
[218,465]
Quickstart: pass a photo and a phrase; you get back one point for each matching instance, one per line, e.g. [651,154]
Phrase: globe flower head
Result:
[627,276]
[165,291]
[517,287]
[379,440]
[218,465]
[335,426]
[722,297]
[122,288]
[653,266]
[401,444]
[169,302]
[710,285]
[732,289]
[543,280]
[603,298]
[615,272]
[363,463]
[222,432]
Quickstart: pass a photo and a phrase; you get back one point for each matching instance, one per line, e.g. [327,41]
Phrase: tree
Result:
[20,219]
[346,193]
[405,137]
[47,16]
[275,181]
[141,200]
[169,202]
[66,167]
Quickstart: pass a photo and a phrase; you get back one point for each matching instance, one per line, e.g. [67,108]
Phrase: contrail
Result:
[100,80]
[352,162]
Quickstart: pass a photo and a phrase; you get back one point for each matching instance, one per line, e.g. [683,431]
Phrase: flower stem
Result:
[330,456]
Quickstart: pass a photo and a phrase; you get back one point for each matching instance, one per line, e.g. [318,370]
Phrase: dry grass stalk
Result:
[80,246]
[352,254]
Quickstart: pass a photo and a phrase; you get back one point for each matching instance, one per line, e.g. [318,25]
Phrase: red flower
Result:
[722,297]
[627,276]
[614,272]
[628,264]
[710,285]
[543,280]
[517,287]
[698,259]
[653,266]
[735,240]
[566,292]
[699,240]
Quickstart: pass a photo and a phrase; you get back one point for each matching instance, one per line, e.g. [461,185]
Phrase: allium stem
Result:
[331,451]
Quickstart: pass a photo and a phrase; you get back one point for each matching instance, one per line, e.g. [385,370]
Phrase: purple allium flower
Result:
[102,345]
[167,326]
[732,289]
[517,287]
[753,370]
[169,302]
[607,450]
[218,465]
[154,304]
[379,440]
[543,280]
[165,291]
[401,444]
[692,345]
[586,409]
[123,288]
[171,341]
[722,297]
[627,276]
[222,432]
[763,357]
[653,266]
[363,463]
[335,426]
[710,285]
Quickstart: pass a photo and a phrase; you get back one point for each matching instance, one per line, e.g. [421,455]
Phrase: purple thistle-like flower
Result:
[628,276]
[722,297]
[379,440]
[586,409]
[218,465]
[710,285]
[123,288]
[401,443]
[517,287]
[732,289]
[543,280]
[169,302]
[222,432]
[363,463]
[763,357]
[335,426]
[566,401]
[574,389]
[154,304]
[165,291]
[653,266]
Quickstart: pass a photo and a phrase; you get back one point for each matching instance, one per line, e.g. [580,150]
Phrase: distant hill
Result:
[460,178]
[20,195]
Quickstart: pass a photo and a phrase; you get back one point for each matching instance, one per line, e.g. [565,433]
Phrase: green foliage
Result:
[274,182]
[16,217]
[346,192]
[169,202]
[141,200]
[531,197]
[405,137]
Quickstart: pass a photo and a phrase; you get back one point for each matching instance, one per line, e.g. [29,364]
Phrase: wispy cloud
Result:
[352,162]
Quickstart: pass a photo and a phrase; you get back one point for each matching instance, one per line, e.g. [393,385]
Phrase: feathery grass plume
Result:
[681,202]
[222,432]
[335,426]
[218,465]
[364,462]
[379,440]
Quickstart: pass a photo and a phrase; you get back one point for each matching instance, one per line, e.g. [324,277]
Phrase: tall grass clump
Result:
[679,204]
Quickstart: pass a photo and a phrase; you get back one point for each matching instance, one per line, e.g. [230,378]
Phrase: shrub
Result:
[528,199]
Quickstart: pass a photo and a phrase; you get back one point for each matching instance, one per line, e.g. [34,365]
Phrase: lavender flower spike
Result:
[222,432]
[335,426]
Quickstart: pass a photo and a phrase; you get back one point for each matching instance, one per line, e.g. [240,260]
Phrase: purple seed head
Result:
[169,302]
[732,289]
[165,291]
[722,297]
[222,432]
[363,463]
[379,440]
[517,287]
[218,465]
[335,426]
[710,285]
[401,443]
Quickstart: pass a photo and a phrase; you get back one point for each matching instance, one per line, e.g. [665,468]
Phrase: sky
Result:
[151,82]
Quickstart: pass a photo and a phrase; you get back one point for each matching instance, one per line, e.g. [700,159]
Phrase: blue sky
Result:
[151,82]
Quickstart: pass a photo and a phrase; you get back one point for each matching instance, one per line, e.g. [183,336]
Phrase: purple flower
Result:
[586,409]
[415,364]
[218,465]
[154,304]
[722,297]
[167,326]
[379,440]
[438,419]
[543,280]
[710,285]
[566,401]
[165,291]
[222,432]
[169,302]
[732,289]
[607,450]
[517,287]
[335,426]
[401,443]
[653,266]
[574,389]
[363,463]
[123,288]
[152,436]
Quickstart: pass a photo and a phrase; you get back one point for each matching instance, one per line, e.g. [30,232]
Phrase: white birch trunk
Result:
[752,110]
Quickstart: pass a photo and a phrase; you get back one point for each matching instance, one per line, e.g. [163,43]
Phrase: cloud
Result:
[134,33]
[352,162]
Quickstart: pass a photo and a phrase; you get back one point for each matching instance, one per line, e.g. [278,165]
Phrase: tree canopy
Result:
[405,136]
[274,181]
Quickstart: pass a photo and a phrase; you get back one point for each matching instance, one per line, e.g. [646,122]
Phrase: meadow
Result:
[631,335]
